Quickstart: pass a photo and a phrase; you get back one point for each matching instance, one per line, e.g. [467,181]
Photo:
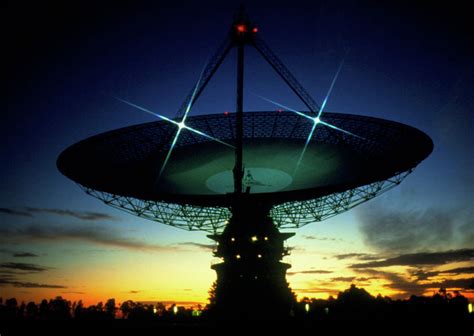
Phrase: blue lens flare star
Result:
[315,120]
[180,127]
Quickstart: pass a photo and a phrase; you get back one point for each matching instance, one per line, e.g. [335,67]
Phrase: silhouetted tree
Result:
[110,308]
[160,309]
[126,308]
[21,310]
[355,295]
[351,304]
[11,308]
[212,294]
[78,310]
[44,310]
[31,311]
[59,309]
[140,312]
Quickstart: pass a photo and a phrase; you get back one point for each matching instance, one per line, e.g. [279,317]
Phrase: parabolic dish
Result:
[126,162]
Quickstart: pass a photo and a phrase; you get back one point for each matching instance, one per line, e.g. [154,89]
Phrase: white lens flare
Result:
[316,120]
[181,126]
[145,110]
[323,105]
[308,139]
[191,101]
[163,166]
[341,130]
[176,123]
[283,106]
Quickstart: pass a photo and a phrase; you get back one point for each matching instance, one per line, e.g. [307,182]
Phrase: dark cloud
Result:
[206,247]
[134,292]
[83,215]
[17,254]
[417,288]
[15,212]
[93,234]
[23,267]
[22,284]
[463,283]
[24,255]
[459,270]
[359,256]
[309,272]
[344,279]
[406,287]
[310,237]
[364,279]
[299,249]
[9,273]
[417,259]
[317,290]
[35,285]
[422,274]
[396,282]
[395,231]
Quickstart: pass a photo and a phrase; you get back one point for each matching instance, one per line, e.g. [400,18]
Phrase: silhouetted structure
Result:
[443,311]
[349,160]
[251,267]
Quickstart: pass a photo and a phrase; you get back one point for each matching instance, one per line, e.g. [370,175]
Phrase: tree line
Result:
[352,304]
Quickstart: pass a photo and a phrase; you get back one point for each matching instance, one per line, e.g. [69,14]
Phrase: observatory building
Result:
[243,176]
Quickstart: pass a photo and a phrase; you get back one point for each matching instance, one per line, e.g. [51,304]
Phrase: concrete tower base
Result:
[251,282]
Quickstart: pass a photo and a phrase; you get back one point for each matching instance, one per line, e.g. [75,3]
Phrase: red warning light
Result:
[280,110]
[241,28]
[255,30]
[226,113]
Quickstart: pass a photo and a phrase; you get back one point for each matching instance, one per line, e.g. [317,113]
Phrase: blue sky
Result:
[408,64]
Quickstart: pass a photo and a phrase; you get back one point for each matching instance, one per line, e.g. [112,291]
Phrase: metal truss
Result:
[135,146]
[289,215]
[136,143]
[183,216]
[257,42]
[380,139]
[209,71]
[292,215]
[285,74]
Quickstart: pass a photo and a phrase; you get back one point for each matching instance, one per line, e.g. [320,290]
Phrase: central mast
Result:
[251,247]
[240,38]
[238,168]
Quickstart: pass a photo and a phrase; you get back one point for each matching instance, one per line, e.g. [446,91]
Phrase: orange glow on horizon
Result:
[165,276]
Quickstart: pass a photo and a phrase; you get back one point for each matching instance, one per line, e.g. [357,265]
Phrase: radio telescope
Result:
[243,176]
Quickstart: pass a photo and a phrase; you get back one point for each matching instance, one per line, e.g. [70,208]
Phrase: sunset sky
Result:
[411,65]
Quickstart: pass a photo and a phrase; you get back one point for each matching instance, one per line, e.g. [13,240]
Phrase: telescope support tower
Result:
[251,273]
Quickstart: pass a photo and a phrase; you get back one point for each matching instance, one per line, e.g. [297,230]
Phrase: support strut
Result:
[238,168]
